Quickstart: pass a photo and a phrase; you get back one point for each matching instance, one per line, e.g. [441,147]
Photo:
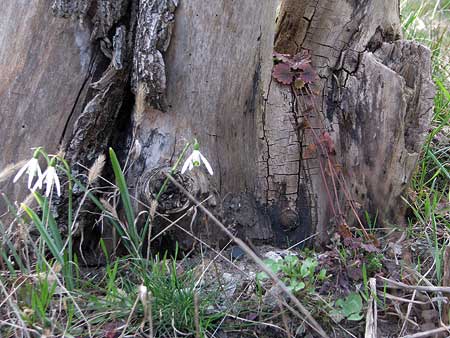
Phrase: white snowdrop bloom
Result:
[195,159]
[420,25]
[50,178]
[143,292]
[32,168]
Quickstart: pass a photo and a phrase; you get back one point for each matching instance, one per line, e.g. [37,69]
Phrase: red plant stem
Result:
[332,170]
[330,167]
[325,153]
[348,197]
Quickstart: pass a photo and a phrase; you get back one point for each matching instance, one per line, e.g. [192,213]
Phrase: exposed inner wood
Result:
[44,64]
[377,99]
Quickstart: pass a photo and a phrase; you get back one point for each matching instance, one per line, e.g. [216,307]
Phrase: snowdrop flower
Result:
[420,25]
[32,168]
[195,159]
[143,293]
[51,179]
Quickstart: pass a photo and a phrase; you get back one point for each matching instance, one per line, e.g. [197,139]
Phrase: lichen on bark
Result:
[154,29]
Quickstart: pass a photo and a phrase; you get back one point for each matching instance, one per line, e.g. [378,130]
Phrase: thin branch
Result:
[400,285]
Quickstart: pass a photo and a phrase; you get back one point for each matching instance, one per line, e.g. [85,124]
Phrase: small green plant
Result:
[349,308]
[165,299]
[374,262]
[297,274]
[35,300]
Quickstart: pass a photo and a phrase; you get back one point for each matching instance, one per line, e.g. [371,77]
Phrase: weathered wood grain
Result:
[154,30]
[217,59]
[376,102]
[44,62]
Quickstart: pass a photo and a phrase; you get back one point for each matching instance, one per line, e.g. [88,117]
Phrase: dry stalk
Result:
[196,316]
[400,299]
[175,222]
[253,322]
[283,318]
[130,316]
[408,312]
[371,318]
[429,333]
[16,311]
[446,282]
[399,285]
[150,314]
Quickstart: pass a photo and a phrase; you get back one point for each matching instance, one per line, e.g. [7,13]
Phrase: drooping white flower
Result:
[143,293]
[50,178]
[32,168]
[195,159]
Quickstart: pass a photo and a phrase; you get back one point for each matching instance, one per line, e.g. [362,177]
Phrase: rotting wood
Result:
[44,61]
[376,100]
[219,89]
[209,99]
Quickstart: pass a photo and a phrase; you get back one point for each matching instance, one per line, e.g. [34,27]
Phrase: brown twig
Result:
[196,316]
[333,174]
[371,318]
[429,333]
[400,285]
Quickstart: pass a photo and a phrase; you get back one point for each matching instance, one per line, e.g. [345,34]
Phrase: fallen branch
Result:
[428,333]
[400,299]
[371,318]
[400,285]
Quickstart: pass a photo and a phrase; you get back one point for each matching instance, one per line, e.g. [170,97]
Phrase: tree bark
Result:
[376,98]
[44,69]
[204,70]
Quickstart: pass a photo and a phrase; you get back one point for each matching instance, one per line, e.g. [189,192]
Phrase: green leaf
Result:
[126,200]
[355,317]
[351,306]
[44,233]
[47,218]
[261,276]
[291,259]
[308,267]
[322,275]
[273,265]
[296,286]
[122,185]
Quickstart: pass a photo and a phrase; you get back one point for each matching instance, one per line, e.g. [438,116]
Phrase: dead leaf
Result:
[310,151]
[308,74]
[283,73]
[326,140]
[299,83]
[344,231]
[369,247]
